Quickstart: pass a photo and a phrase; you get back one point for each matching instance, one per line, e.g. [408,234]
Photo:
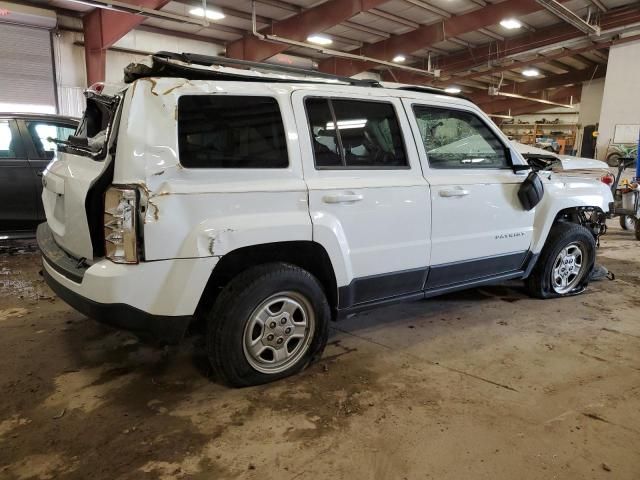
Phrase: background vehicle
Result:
[269,204]
[618,151]
[24,154]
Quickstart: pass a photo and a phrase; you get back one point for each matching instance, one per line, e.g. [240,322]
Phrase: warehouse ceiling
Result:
[461,40]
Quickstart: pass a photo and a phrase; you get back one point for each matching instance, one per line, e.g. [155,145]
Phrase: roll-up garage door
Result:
[26,69]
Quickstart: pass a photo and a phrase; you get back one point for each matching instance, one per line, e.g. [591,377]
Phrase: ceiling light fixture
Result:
[453,90]
[211,14]
[319,39]
[511,23]
[530,72]
[399,58]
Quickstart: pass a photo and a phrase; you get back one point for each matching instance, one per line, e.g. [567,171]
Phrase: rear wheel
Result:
[627,222]
[565,262]
[268,323]
[637,227]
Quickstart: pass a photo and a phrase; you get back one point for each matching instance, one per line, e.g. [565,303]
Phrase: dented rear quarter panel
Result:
[206,212]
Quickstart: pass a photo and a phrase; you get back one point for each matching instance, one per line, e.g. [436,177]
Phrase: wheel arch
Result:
[569,204]
[308,255]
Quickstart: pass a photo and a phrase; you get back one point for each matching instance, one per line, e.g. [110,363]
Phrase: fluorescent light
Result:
[319,39]
[530,72]
[511,23]
[452,90]
[399,58]
[211,14]
[347,124]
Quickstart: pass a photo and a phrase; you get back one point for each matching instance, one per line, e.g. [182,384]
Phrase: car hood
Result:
[564,162]
[580,163]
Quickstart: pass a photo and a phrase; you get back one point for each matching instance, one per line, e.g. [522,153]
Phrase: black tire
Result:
[626,222]
[637,229]
[613,159]
[235,307]
[563,234]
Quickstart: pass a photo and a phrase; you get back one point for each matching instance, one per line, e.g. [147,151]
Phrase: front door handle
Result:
[454,192]
[348,197]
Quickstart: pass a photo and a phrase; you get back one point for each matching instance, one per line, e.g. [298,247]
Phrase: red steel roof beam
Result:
[299,27]
[576,76]
[503,104]
[427,35]
[543,37]
[102,28]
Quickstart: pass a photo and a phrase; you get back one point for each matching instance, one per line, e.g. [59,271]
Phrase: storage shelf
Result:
[566,138]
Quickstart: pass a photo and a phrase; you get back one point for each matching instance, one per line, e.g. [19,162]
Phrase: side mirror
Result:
[520,168]
[531,191]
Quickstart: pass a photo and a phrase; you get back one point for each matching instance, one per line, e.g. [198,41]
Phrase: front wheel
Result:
[565,262]
[268,323]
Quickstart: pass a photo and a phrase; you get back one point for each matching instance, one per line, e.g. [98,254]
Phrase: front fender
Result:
[561,193]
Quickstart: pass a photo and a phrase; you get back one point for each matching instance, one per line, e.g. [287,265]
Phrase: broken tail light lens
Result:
[120,239]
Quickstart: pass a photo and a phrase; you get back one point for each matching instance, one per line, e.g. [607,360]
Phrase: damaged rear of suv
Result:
[267,201]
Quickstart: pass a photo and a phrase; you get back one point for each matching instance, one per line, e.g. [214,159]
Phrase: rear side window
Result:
[91,137]
[225,131]
[355,134]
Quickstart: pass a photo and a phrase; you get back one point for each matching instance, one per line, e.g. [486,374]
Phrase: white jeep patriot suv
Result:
[268,201]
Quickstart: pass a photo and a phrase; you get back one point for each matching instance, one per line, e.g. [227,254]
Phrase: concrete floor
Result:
[484,384]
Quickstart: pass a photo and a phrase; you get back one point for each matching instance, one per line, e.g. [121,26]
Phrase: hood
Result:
[530,150]
[560,162]
[580,163]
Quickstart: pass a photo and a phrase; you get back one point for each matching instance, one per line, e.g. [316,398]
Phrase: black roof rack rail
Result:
[163,67]
[434,90]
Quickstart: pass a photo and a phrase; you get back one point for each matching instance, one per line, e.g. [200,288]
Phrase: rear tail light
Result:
[120,239]
[607,179]
[97,87]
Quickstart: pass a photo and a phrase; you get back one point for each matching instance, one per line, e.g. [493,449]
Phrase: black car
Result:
[24,154]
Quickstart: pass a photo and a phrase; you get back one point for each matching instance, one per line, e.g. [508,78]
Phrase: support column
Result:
[102,28]
[621,98]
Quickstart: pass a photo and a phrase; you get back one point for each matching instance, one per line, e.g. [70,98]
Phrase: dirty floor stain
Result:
[486,383]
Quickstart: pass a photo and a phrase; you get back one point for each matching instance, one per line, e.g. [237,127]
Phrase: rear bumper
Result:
[156,300]
[152,328]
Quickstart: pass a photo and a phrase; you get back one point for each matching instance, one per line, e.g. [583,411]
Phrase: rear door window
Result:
[355,134]
[10,143]
[41,132]
[228,131]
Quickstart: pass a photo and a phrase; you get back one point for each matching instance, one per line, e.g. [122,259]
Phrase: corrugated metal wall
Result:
[26,67]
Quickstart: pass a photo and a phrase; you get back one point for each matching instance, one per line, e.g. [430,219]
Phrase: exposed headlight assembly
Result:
[120,218]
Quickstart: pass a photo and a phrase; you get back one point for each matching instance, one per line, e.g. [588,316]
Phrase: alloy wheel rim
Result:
[279,332]
[568,268]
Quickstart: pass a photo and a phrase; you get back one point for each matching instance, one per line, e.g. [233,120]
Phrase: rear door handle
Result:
[349,197]
[454,192]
